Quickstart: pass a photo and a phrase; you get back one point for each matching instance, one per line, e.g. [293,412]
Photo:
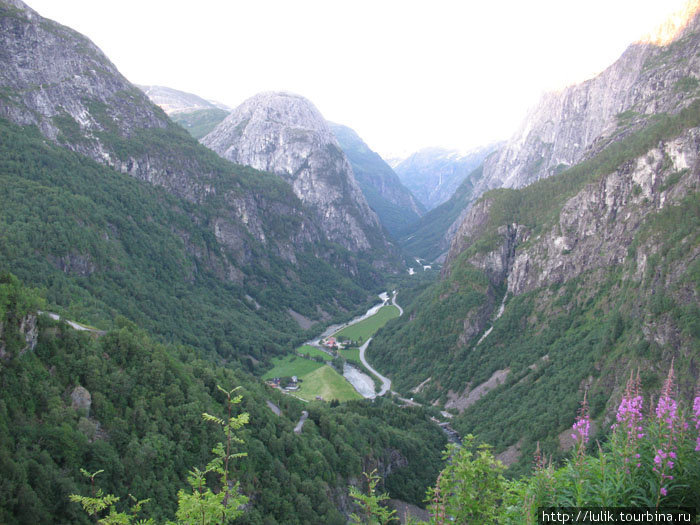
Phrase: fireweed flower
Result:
[666,413]
[582,427]
[629,418]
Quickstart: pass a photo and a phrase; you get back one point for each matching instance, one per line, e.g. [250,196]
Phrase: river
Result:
[360,381]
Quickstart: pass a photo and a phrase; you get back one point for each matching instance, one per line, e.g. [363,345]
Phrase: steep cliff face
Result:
[568,126]
[394,204]
[285,134]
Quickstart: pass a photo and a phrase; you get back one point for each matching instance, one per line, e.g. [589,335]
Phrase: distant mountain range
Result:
[434,174]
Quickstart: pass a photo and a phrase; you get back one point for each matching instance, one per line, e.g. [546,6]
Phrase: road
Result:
[393,301]
[300,425]
[386,382]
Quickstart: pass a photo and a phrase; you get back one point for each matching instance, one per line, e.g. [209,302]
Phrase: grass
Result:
[312,351]
[352,355]
[291,365]
[365,329]
[328,384]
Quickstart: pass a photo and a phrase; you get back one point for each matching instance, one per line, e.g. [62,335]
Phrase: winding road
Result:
[386,382]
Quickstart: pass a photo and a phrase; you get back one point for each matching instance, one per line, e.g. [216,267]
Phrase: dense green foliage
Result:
[104,243]
[426,239]
[201,122]
[145,430]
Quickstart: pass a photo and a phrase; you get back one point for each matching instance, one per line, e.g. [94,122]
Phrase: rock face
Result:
[568,126]
[57,79]
[394,204]
[595,228]
[285,134]
[81,399]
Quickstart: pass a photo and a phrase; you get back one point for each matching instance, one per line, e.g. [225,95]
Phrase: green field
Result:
[312,351]
[351,355]
[291,365]
[316,379]
[363,330]
[328,384]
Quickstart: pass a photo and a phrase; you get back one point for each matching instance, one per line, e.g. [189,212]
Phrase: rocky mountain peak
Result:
[290,118]
[675,25]
[285,134]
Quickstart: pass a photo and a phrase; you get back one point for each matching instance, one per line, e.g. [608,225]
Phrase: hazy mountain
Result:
[394,204]
[570,125]
[197,115]
[431,236]
[173,101]
[434,174]
[285,134]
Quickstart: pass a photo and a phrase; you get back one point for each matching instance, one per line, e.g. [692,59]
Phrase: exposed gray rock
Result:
[571,125]
[81,399]
[596,227]
[285,134]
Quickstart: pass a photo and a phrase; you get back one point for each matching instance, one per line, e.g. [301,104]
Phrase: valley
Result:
[317,365]
[177,273]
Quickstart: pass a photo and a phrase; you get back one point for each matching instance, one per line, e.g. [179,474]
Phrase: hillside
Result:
[430,237]
[155,223]
[597,275]
[131,407]
[396,207]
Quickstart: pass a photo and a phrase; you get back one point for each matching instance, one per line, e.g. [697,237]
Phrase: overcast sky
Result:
[403,74]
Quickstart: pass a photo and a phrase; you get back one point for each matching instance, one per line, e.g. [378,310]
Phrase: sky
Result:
[403,74]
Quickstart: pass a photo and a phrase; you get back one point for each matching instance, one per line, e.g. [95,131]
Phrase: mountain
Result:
[433,174]
[117,210]
[285,134]
[573,124]
[569,284]
[173,101]
[197,115]
[192,271]
[431,236]
[395,206]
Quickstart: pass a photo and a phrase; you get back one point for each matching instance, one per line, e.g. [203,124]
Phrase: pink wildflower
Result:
[582,426]
[663,491]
